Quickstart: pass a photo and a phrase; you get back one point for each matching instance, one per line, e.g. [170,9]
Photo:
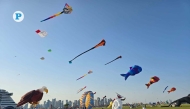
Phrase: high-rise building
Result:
[95,102]
[78,103]
[105,101]
[98,100]
[70,103]
[6,100]
[25,106]
[67,102]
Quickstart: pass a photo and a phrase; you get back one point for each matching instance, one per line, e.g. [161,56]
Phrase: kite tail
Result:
[169,92]
[125,75]
[110,62]
[148,85]
[81,54]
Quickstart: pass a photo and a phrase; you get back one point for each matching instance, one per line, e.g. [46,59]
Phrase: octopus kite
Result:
[152,80]
[102,43]
[66,10]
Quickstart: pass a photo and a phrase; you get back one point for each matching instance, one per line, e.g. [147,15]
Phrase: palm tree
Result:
[66,106]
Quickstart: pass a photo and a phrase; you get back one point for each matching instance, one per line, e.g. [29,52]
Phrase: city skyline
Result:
[153,34]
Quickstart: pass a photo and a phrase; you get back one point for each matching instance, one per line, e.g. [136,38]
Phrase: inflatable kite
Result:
[120,97]
[111,102]
[81,89]
[85,75]
[87,100]
[152,80]
[104,97]
[178,102]
[113,60]
[172,90]
[41,33]
[33,97]
[102,43]
[165,89]
[133,71]
[117,104]
[66,10]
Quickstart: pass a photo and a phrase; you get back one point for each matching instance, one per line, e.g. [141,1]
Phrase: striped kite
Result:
[85,75]
[102,43]
[66,10]
[114,60]
[81,89]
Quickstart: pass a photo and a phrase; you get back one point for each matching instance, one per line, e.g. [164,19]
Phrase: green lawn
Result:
[182,107]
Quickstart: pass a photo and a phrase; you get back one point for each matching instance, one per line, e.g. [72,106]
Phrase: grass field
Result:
[182,107]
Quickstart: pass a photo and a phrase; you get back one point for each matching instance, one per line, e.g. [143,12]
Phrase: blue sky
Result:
[152,34]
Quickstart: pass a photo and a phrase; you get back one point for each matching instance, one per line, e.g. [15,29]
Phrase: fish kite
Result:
[102,43]
[42,58]
[113,60]
[153,79]
[94,92]
[133,71]
[41,33]
[66,10]
[120,97]
[33,97]
[85,75]
[49,50]
[172,90]
[165,89]
[81,89]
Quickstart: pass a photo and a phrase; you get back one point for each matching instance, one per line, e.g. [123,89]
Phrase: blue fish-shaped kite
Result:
[165,89]
[133,71]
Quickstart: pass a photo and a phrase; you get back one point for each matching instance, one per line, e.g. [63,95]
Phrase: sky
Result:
[154,34]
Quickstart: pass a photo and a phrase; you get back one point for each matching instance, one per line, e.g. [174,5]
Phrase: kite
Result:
[178,102]
[104,97]
[102,43]
[41,33]
[85,75]
[133,71]
[111,102]
[152,80]
[81,89]
[33,97]
[42,58]
[114,60]
[49,50]
[66,10]
[165,89]
[172,90]
[120,97]
[87,100]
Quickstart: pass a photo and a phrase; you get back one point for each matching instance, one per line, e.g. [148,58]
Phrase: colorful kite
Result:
[172,90]
[114,60]
[41,33]
[81,89]
[85,75]
[165,89]
[42,58]
[66,10]
[153,79]
[102,43]
[87,100]
[111,102]
[133,71]
[49,50]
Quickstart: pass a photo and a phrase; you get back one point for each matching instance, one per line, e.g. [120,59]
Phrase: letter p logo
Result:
[18,16]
